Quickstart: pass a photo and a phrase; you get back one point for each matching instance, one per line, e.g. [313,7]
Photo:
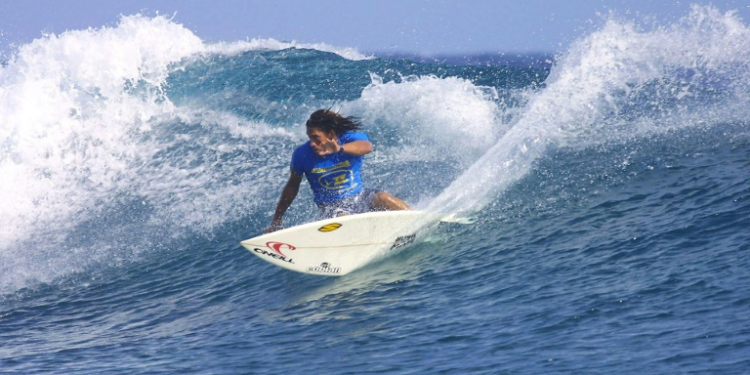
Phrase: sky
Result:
[427,27]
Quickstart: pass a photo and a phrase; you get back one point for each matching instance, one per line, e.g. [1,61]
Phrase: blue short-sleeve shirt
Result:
[331,177]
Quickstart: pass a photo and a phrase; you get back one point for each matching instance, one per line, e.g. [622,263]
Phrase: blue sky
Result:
[418,26]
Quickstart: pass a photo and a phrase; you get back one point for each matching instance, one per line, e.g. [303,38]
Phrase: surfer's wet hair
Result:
[327,120]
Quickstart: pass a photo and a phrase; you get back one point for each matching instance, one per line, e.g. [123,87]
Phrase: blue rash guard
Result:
[332,177]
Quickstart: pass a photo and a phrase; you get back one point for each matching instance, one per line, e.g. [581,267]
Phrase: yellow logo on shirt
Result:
[343,164]
[337,177]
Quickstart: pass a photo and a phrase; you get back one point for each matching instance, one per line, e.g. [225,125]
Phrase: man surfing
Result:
[331,160]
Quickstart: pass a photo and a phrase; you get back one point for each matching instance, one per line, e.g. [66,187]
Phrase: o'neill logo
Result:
[277,246]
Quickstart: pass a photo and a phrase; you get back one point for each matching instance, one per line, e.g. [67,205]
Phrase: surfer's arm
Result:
[287,197]
[358,148]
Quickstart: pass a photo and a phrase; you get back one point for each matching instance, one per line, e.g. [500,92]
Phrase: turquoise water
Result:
[608,190]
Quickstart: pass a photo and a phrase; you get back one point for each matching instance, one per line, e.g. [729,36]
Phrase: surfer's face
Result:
[318,139]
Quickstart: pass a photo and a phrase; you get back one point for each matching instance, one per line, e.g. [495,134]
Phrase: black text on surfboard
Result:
[403,241]
[272,255]
[324,268]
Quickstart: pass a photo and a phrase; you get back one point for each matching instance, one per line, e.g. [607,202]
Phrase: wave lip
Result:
[270,44]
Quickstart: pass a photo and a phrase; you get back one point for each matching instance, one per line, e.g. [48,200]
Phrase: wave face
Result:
[608,190]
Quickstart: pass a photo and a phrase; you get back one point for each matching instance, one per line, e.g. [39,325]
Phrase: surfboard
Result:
[338,246]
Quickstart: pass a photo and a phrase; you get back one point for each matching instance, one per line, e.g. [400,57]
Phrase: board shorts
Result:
[357,204]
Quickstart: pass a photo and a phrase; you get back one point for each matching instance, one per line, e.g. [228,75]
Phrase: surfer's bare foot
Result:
[273,228]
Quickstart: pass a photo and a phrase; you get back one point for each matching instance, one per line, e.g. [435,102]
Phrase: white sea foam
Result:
[448,118]
[87,137]
[64,111]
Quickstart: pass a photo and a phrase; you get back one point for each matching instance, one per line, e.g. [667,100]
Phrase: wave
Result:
[118,143]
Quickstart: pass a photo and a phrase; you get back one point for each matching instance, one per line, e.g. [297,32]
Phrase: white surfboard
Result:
[337,246]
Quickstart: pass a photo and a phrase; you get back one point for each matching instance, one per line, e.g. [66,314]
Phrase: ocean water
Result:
[609,192]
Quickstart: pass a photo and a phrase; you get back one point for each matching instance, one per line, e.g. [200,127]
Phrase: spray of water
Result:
[617,84]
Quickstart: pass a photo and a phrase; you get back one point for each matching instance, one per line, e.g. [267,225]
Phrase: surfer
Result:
[331,161]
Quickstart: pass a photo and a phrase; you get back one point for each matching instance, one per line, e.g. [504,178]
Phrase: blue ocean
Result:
[607,186]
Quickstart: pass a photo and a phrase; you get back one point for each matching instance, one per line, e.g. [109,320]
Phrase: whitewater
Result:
[607,188]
